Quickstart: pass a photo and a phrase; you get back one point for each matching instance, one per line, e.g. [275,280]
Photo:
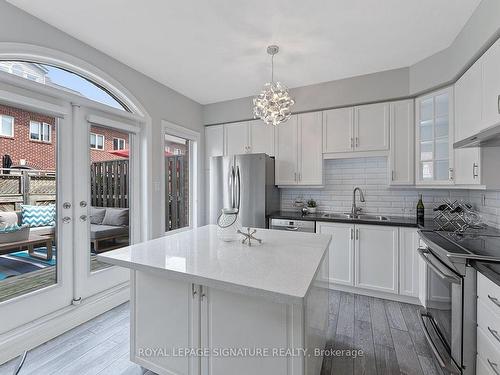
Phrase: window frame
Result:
[96,143]
[41,126]
[119,140]
[12,127]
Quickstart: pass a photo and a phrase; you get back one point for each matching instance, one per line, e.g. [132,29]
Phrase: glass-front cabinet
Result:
[434,130]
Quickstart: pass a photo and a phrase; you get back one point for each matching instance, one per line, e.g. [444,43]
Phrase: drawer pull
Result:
[494,333]
[494,300]
[494,366]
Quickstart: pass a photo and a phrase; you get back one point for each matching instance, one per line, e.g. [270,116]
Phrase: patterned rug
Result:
[15,264]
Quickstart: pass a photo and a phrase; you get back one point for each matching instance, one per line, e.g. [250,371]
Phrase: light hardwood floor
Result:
[389,334]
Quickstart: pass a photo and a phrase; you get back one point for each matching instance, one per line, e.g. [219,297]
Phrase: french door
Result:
[105,157]
[96,209]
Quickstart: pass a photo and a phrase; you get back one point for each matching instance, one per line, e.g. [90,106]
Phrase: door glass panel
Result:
[442,105]
[427,170]
[177,155]
[442,149]
[109,220]
[442,126]
[442,172]
[28,198]
[426,151]
[426,131]
[426,110]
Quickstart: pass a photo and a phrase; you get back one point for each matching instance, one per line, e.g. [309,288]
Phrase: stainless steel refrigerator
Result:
[245,182]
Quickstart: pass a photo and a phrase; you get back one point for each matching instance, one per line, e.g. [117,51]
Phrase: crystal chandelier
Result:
[273,104]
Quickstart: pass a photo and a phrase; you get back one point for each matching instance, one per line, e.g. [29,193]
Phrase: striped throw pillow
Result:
[38,216]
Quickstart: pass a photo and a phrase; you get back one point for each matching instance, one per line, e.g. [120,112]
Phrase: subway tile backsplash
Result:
[370,174]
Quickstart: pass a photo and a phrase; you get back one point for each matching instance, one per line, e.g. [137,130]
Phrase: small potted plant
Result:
[311,206]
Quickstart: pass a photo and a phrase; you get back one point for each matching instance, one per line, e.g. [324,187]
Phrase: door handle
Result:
[357,234]
[494,333]
[450,278]
[292,228]
[357,141]
[352,142]
[475,168]
[450,174]
[66,219]
[352,234]
[498,103]
[83,218]
[494,366]
[494,300]
[83,204]
[238,188]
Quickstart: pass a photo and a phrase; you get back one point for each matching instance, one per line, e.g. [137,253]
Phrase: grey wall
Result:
[161,102]
[386,85]
[440,69]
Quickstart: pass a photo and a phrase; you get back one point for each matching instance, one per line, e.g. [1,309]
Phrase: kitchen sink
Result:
[356,217]
[373,217]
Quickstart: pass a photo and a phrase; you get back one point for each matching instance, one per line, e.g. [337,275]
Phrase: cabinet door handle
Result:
[194,292]
[300,176]
[494,333]
[295,176]
[392,175]
[357,234]
[450,174]
[494,300]
[352,234]
[352,142]
[498,103]
[475,168]
[494,366]
[357,141]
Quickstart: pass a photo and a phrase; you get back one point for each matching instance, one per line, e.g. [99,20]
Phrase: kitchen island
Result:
[203,306]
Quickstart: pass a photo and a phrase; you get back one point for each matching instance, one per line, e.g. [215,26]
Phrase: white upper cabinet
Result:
[371,127]
[261,137]
[236,138]
[299,157]
[434,138]
[491,86]
[310,156]
[287,152]
[338,130]
[468,103]
[249,137]
[214,142]
[402,150]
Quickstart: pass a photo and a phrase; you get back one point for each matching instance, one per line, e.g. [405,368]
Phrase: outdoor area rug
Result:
[18,263]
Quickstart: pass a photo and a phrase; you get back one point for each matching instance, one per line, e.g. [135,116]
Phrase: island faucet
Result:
[355,210]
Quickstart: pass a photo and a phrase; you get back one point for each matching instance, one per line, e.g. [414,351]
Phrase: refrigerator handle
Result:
[231,186]
[238,187]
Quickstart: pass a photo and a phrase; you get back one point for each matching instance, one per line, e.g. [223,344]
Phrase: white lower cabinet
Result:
[341,256]
[408,262]
[374,258]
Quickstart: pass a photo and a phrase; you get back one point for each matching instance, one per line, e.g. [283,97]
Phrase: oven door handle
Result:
[451,278]
[454,369]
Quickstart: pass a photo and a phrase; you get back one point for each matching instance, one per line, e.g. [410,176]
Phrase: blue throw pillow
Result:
[38,216]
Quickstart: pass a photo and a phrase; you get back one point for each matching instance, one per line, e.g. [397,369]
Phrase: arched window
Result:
[63,80]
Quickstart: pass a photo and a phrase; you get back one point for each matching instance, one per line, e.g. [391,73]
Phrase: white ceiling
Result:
[216,50]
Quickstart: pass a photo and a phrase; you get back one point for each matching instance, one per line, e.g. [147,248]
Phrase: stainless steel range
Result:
[449,297]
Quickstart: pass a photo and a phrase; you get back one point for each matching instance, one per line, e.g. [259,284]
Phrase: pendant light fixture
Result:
[273,104]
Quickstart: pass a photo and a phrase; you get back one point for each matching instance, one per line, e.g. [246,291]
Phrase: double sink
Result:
[356,217]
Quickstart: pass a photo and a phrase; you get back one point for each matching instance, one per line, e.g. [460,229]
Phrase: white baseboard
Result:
[15,342]
[374,293]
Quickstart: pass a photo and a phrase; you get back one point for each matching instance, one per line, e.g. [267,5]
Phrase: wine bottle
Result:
[420,211]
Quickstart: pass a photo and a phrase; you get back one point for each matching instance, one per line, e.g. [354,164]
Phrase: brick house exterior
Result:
[41,155]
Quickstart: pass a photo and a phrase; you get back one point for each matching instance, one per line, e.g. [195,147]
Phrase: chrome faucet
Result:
[355,210]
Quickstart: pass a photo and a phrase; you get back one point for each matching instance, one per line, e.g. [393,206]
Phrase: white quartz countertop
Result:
[283,266]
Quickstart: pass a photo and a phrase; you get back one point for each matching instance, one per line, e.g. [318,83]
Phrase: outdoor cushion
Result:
[8,218]
[97,215]
[116,217]
[104,231]
[19,234]
[38,216]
